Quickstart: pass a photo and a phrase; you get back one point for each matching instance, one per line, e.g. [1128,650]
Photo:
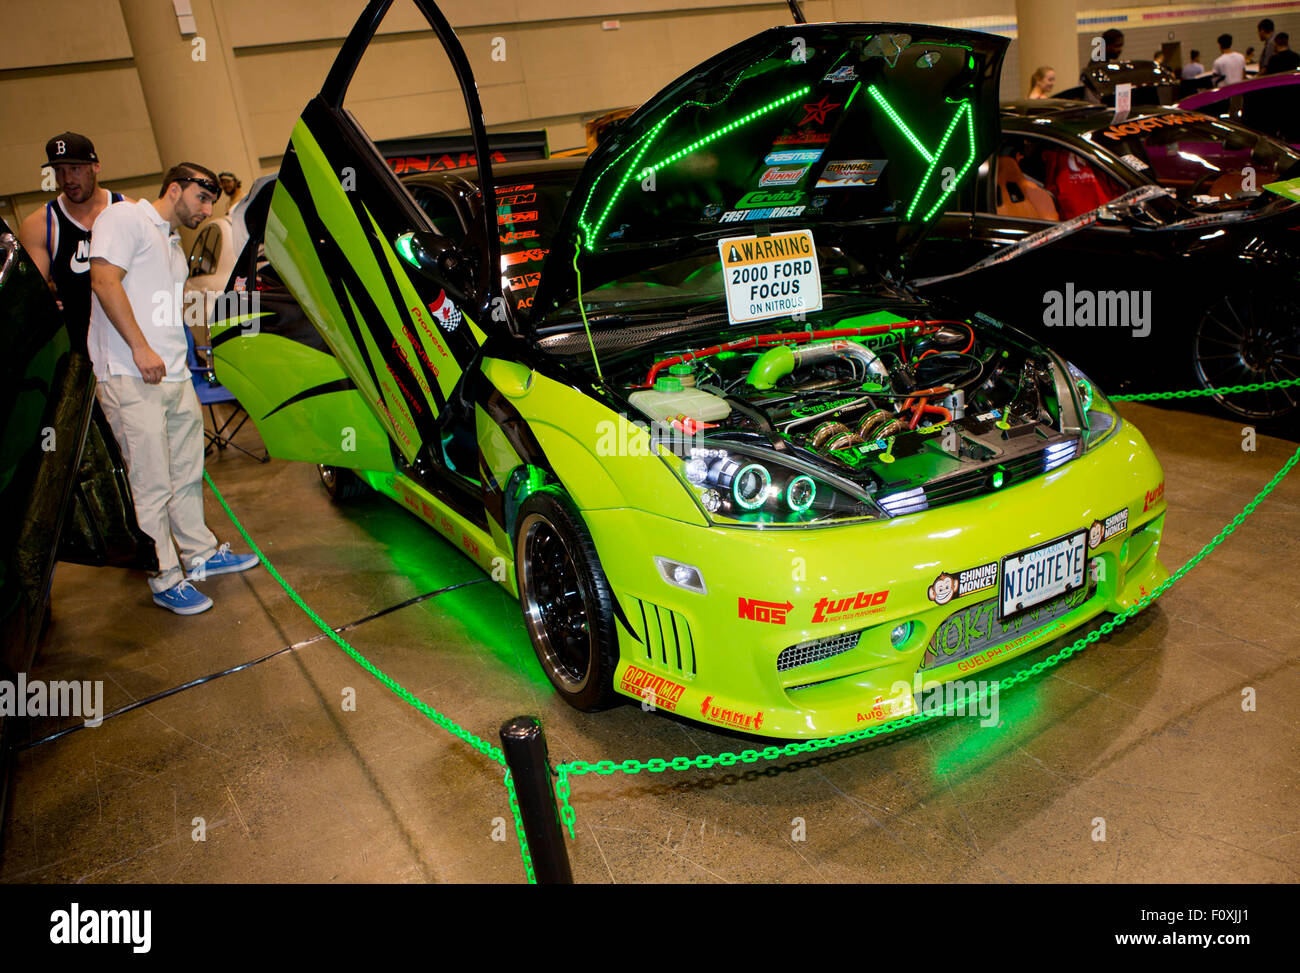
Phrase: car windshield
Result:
[1207,163]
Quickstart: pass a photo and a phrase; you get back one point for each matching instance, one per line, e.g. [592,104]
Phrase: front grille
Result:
[808,652]
[665,636]
[965,486]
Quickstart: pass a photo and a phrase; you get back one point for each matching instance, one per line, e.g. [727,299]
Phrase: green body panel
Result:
[478,545]
[721,662]
[336,428]
[600,457]
[294,253]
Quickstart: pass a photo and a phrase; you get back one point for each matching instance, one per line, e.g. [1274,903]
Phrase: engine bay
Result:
[887,417]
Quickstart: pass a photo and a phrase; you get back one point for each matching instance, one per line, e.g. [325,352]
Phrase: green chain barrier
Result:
[705,761]
[519,830]
[1193,393]
[478,743]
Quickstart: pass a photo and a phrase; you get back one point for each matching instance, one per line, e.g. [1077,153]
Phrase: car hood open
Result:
[808,125]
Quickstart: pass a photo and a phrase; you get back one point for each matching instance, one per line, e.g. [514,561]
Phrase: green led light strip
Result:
[897,120]
[712,136]
[970,160]
[943,144]
[963,109]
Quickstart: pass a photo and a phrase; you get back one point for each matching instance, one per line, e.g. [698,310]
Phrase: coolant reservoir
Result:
[696,404]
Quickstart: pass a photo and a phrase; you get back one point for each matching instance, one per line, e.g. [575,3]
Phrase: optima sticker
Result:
[770,277]
[947,586]
[647,685]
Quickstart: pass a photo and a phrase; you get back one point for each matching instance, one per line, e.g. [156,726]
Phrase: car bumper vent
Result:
[808,652]
[665,636]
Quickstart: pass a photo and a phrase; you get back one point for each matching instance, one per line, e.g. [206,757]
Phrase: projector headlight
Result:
[760,488]
[1101,416]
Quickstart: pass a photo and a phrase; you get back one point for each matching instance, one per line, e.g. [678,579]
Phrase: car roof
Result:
[1074,117]
[1258,83]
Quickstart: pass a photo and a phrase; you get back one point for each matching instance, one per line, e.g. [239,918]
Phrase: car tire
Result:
[567,603]
[341,483]
[1245,338]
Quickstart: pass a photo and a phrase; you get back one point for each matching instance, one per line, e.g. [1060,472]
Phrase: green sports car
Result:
[679,398]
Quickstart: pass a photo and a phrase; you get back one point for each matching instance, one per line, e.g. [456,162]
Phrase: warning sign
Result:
[770,276]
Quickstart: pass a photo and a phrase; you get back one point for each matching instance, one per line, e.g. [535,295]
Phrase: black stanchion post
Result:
[524,745]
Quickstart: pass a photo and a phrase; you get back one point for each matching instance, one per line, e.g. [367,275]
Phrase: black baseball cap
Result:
[71,148]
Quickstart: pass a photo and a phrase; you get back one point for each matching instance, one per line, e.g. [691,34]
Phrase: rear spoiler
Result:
[437,153]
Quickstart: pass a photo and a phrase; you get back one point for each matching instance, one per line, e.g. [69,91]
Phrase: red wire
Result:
[795,336]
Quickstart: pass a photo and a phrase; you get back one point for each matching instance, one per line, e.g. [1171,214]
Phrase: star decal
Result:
[816,113]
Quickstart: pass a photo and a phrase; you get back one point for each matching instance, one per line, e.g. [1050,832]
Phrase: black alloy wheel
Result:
[1251,339]
[567,603]
[341,484]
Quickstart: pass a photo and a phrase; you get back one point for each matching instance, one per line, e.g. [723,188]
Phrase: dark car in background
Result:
[1269,103]
[1205,270]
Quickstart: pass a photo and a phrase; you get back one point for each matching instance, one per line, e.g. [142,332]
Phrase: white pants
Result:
[159,429]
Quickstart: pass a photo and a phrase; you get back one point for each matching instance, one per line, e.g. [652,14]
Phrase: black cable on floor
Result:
[136,704]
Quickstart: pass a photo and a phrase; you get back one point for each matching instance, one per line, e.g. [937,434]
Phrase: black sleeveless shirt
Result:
[68,243]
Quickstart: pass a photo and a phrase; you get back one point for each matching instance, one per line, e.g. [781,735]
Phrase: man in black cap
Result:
[57,236]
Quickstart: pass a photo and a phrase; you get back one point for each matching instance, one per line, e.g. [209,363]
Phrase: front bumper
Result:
[718,657]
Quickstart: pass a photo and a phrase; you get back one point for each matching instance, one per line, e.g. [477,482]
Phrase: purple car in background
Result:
[1269,103]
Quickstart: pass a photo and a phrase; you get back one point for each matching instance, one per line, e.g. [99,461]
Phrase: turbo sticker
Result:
[853,606]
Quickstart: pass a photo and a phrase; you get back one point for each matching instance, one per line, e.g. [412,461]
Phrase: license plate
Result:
[1041,573]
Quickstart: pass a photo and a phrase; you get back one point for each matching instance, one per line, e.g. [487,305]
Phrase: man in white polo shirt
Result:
[137,343]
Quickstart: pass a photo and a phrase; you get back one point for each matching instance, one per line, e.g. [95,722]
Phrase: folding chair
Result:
[210,392]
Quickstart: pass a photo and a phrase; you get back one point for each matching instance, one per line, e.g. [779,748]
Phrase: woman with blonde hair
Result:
[1042,82]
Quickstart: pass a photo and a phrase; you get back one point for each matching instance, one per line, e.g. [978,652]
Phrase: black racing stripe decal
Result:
[339,272]
[325,388]
[623,620]
[390,281]
[515,427]
[494,500]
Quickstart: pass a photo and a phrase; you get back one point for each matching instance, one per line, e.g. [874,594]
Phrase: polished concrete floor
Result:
[1145,730]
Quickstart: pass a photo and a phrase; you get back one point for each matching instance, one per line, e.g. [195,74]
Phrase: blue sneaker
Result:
[223,562]
[183,599]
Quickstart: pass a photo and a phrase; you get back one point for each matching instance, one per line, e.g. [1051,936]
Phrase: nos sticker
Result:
[770,277]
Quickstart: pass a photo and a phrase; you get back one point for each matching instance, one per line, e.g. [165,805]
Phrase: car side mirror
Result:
[440,260]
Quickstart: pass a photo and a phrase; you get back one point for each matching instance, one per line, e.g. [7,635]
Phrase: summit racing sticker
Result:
[770,276]
[782,176]
[730,717]
[947,586]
